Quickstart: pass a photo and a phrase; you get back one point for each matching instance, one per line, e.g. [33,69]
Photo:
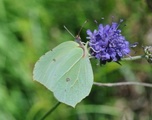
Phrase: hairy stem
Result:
[122,84]
[133,58]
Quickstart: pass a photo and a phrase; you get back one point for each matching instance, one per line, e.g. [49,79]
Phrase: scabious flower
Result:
[107,44]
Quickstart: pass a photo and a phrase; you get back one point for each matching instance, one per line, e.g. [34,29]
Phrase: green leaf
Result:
[66,71]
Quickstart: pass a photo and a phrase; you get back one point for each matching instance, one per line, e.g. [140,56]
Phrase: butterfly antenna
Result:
[82,27]
[69,31]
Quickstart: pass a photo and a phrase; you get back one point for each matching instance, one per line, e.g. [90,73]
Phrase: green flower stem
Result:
[50,111]
[134,57]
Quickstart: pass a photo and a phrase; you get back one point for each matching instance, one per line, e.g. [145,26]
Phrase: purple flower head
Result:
[107,44]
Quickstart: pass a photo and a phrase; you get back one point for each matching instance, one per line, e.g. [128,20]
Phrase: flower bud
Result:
[148,53]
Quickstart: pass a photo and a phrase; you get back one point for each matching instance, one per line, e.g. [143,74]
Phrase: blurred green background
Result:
[29,28]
